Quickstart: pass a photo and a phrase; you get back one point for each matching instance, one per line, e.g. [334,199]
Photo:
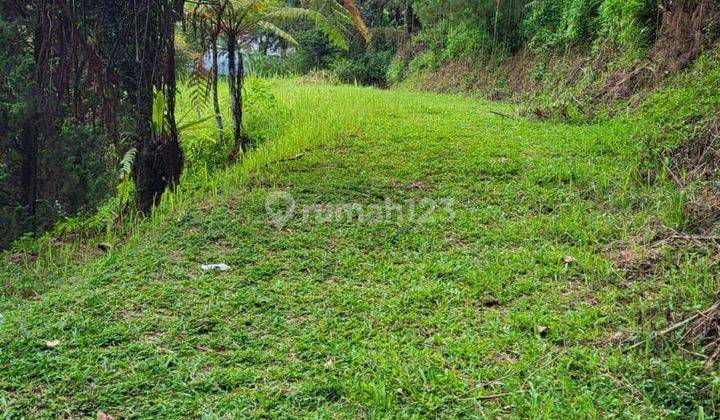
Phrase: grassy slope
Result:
[439,318]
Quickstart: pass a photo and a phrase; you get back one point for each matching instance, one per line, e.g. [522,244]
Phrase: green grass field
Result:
[513,299]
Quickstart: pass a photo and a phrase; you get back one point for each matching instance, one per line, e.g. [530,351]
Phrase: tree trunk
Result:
[159,160]
[235,81]
[240,86]
[29,177]
[37,130]
[215,76]
[411,21]
[495,26]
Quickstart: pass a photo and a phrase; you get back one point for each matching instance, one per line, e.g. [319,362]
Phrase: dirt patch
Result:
[694,167]
[519,70]
[507,77]
[453,75]
[698,159]
[636,262]
[22,258]
[703,334]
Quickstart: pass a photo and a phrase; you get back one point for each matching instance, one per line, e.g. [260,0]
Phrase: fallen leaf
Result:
[542,330]
[329,364]
[568,259]
[103,416]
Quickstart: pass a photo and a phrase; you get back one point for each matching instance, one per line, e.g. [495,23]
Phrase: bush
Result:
[579,21]
[464,41]
[370,68]
[269,66]
[561,23]
[396,71]
[314,52]
[631,23]
[541,26]
[433,38]
[424,61]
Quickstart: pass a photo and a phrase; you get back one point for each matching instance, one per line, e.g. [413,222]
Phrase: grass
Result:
[510,305]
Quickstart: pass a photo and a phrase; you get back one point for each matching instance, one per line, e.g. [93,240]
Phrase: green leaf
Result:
[158,115]
[194,124]
[269,27]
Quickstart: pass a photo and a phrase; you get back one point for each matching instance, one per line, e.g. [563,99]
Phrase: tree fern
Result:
[239,22]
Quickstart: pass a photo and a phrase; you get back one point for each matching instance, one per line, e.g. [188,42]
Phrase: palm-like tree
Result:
[239,21]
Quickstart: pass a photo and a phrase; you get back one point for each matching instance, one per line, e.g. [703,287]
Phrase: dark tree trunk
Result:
[214,80]
[235,82]
[149,185]
[37,129]
[495,25]
[29,170]
[159,160]
[240,86]
[412,24]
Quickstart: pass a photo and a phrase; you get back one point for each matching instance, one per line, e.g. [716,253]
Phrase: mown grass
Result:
[516,305]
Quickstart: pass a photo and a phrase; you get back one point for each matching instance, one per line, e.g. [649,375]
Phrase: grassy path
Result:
[506,303]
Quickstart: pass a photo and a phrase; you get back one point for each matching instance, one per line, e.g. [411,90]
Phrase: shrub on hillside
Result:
[465,41]
[262,65]
[561,23]
[429,60]
[628,22]
[396,70]
[314,52]
[368,69]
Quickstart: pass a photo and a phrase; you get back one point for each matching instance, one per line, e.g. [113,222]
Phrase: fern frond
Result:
[351,7]
[332,30]
[199,85]
[274,30]
[126,163]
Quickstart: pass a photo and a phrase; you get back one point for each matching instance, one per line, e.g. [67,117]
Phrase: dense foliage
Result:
[87,98]
[423,34]
[58,149]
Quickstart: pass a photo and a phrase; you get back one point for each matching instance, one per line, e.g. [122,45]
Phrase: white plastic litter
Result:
[215,267]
